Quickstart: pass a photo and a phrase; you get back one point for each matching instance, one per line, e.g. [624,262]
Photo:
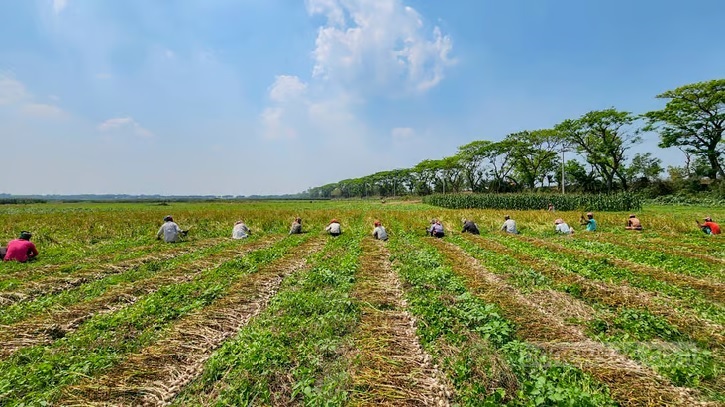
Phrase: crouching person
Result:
[21,249]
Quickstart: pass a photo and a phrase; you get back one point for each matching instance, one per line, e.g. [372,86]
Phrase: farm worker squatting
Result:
[709,227]
[240,230]
[334,228]
[170,231]
[589,222]
[379,231]
[509,225]
[20,249]
[633,223]
[470,227]
[296,226]
[436,229]
[562,227]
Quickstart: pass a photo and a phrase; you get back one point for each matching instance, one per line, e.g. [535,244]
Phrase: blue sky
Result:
[274,96]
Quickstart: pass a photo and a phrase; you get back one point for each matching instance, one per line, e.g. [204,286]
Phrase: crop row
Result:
[612,314]
[628,382]
[293,351]
[38,374]
[476,347]
[570,202]
[156,373]
[603,269]
[54,316]
[677,264]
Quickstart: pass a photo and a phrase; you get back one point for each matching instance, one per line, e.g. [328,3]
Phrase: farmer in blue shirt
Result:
[589,222]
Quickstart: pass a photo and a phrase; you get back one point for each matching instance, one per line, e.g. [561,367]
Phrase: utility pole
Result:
[562,169]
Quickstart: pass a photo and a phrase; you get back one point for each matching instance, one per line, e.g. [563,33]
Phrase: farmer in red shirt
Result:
[709,227]
[21,249]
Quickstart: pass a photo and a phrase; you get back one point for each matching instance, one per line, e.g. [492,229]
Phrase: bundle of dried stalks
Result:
[157,374]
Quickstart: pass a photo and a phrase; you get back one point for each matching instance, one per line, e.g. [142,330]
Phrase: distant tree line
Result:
[590,154]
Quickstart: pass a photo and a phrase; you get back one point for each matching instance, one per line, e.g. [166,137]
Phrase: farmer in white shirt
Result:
[562,227]
[334,228]
[509,225]
[379,231]
[240,230]
[170,231]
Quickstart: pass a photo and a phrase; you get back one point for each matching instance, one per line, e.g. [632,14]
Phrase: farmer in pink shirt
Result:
[21,249]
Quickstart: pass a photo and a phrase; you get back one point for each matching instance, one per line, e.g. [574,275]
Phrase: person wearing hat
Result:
[509,225]
[379,231]
[171,232]
[436,229]
[633,223]
[296,226]
[589,222]
[240,230]
[709,227]
[21,249]
[334,228]
[470,227]
[562,227]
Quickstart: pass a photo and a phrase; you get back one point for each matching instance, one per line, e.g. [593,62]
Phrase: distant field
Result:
[109,316]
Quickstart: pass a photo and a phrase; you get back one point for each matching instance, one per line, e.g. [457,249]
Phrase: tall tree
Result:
[645,167]
[535,154]
[471,158]
[603,138]
[694,118]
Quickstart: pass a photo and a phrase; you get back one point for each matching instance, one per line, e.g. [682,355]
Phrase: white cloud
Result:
[12,91]
[379,42]
[274,124]
[59,5]
[402,133]
[42,110]
[124,124]
[286,88]
[14,95]
[365,49]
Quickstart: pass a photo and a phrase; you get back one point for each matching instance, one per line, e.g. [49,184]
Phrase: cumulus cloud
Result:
[124,124]
[59,5]
[379,42]
[286,88]
[364,50]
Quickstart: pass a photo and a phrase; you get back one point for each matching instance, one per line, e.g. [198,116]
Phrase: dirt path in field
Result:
[644,243]
[630,384]
[711,289]
[678,313]
[156,374]
[50,327]
[55,284]
[389,367]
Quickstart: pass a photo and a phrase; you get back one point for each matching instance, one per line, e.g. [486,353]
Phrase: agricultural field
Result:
[107,315]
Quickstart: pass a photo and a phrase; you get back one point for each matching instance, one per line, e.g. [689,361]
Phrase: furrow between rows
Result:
[54,284]
[630,383]
[158,372]
[390,367]
[50,327]
[711,289]
[655,246]
[612,295]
